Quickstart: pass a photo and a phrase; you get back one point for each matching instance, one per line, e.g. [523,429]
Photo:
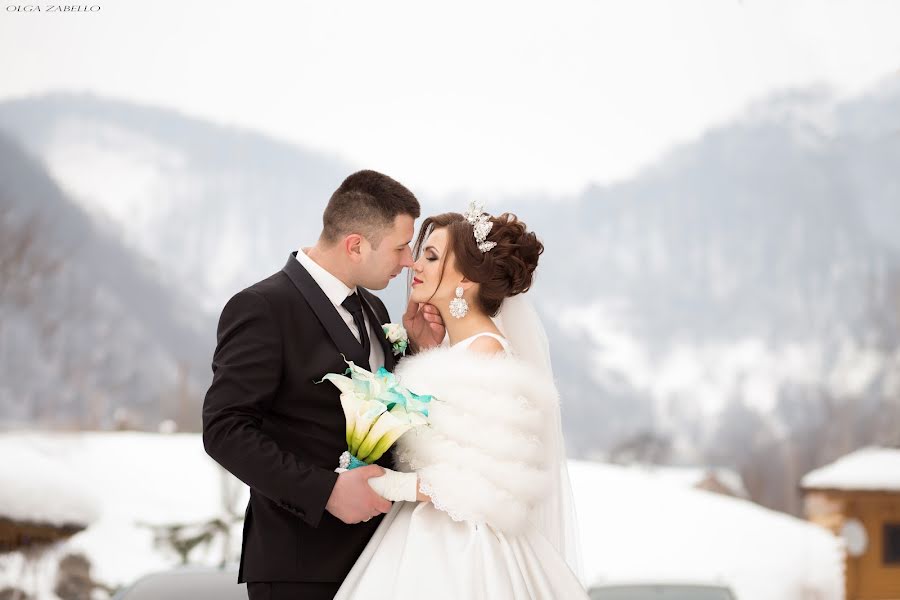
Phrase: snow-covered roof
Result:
[869,469]
[136,478]
[34,489]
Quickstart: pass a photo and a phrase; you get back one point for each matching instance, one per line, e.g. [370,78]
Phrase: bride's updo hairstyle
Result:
[505,270]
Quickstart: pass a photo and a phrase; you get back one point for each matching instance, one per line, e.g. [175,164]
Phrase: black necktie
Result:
[353,304]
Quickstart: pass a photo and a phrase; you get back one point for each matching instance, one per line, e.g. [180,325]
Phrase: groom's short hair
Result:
[367,202]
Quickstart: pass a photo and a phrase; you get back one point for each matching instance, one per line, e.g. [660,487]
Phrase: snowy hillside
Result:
[748,263]
[214,208]
[634,524]
[88,328]
[739,293]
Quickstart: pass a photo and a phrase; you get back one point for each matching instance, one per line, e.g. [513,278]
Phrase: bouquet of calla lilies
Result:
[378,411]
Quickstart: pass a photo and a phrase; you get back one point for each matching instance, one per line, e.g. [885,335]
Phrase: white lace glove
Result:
[394,485]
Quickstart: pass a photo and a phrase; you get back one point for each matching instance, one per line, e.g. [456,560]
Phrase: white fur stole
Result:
[481,458]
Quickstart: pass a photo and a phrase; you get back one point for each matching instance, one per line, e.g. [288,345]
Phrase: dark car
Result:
[187,583]
[660,591]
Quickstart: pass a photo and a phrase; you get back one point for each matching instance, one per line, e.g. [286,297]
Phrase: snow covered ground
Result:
[638,526]
[635,525]
[135,478]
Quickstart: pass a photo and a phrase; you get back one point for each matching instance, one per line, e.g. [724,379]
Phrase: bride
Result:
[489,513]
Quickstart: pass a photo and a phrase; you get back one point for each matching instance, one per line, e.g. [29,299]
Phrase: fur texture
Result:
[481,458]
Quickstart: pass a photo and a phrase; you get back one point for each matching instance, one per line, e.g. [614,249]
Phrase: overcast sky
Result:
[512,97]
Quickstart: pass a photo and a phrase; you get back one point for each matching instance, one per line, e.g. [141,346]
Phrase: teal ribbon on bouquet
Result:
[348,461]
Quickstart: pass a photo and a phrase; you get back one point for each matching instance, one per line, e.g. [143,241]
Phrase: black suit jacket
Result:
[268,422]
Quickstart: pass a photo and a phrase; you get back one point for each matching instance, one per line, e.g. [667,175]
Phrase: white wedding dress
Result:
[473,541]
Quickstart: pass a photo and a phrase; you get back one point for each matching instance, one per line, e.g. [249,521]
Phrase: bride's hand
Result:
[424,325]
[420,497]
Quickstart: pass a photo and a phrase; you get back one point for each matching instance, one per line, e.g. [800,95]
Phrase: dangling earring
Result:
[458,306]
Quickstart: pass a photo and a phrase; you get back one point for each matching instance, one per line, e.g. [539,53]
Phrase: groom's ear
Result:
[353,246]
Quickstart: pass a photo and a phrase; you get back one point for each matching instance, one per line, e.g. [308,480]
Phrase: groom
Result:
[268,422]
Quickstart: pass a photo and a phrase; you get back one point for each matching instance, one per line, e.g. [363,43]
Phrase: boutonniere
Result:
[396,335]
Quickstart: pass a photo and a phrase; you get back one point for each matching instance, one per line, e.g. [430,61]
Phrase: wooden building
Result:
[858,498]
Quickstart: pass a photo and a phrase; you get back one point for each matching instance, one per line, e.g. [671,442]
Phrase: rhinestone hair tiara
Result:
[481,224]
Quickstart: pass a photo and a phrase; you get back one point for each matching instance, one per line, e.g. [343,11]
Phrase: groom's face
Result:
[380,265]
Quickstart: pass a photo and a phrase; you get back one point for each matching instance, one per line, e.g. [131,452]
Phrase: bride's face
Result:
[429,285]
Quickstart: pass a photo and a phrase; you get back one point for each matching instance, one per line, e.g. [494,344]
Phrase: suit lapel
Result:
[325,311]
[376,320]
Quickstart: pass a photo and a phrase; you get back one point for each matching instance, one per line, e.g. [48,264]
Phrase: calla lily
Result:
[415,403]
[377,411]
[406,422]
[389,425]
[366,414]
[389,379]
[345,384]
[368,384]
[350,403]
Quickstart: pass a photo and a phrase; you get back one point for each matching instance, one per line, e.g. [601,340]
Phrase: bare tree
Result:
[645,447]
[183,538]
[24,261]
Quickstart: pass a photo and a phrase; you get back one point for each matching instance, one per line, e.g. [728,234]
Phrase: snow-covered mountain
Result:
[740,291]
[752,263]
[214,208]
[87,328]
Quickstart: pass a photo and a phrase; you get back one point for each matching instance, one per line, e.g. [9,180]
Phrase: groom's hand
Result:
[424,325]
[353,499]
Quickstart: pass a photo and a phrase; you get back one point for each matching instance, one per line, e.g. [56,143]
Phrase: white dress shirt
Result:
[337,291]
